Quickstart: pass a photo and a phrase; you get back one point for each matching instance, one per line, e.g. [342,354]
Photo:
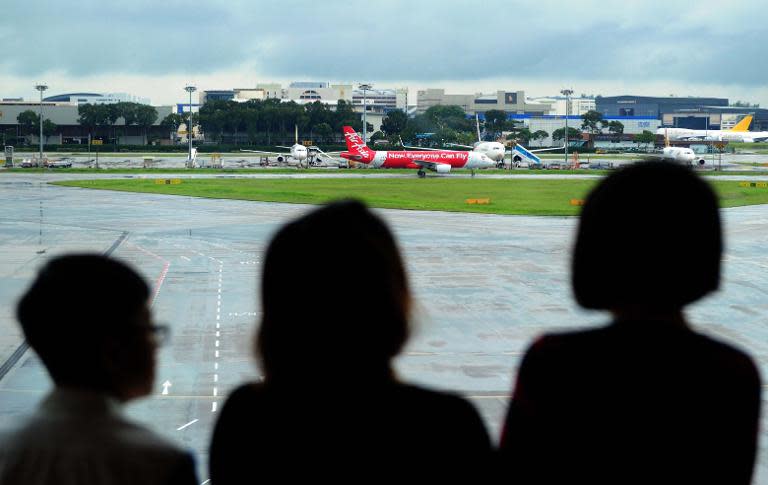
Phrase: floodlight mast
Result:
[190,89]
[41,88]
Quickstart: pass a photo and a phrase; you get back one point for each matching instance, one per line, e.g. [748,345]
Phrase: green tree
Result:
[646,137]
[145,117]
[590,121]
[615,127]
[559,134]
[28,120]
[49,127]
[394,123]
[539,135]
[523,135]
[324,132]
[495,120]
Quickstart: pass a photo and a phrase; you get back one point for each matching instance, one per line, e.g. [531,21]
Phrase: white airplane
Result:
[298,154]
[739,133]
[492,149]
[496,151]
[681,155]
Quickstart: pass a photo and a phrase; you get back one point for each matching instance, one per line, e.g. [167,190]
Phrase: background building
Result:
[651,106]
[633,125]
[577,106]
[96,98]
[512,102]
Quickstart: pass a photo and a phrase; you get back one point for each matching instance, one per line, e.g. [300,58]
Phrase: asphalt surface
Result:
[485,285]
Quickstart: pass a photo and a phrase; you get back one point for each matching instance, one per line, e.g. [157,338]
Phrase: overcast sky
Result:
[152,49]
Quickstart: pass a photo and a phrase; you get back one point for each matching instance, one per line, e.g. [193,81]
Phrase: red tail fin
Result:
[356,145]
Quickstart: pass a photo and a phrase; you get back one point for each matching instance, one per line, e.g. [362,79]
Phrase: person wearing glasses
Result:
[88,319]
[330,406]
[648,397]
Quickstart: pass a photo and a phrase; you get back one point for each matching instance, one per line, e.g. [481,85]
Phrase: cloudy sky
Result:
[153,48]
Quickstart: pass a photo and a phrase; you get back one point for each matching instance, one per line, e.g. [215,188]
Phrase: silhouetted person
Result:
[88,319]
[645,399]
[336,302]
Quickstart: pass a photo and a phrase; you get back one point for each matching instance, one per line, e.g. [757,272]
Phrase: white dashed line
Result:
[185,258]
[217,343]
[218,334]
[188,424]
[215,391]
[215,378]
[217,354]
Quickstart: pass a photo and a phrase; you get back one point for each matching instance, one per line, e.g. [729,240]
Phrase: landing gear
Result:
[472,170]
[422,174]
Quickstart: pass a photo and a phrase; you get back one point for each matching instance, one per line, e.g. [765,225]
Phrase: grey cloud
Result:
[394,40]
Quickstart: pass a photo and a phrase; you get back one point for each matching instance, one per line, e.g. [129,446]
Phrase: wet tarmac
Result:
[486,285]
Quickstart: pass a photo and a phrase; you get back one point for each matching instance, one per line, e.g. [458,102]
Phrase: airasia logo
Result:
[356,142]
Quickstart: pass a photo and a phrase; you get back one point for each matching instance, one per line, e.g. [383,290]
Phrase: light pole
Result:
[567,93]
[41,88]
[190,89]
[364,88]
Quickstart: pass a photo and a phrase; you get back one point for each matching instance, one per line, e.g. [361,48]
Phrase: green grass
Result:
[515,196]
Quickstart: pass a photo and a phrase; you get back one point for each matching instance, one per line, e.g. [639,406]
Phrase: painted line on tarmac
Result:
[17,354]
[188,424]
[215,404]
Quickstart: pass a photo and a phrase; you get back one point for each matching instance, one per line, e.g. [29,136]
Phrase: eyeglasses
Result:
[161,334]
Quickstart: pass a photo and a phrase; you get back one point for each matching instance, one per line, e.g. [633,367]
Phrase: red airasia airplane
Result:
[440,161]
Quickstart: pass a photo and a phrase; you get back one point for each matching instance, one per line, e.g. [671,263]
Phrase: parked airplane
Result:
[739,133]
[298,154]
[440,161]
[682,155]
[496,151]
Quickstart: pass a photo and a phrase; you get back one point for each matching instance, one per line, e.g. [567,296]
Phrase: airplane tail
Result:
[742,125]
[356,146]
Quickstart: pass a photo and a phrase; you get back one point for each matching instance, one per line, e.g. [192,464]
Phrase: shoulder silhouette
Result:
[336,299]
[87,318]
[645,399]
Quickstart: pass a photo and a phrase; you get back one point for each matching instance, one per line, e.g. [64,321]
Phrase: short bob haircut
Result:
[75,302]
[335,297]
[649,236]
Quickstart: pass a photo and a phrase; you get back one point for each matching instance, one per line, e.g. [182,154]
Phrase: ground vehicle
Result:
[28,163]
[59,164]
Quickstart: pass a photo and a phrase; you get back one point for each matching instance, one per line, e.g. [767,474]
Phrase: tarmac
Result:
[485,286]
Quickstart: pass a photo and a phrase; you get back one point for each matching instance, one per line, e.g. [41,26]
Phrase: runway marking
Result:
[159,282]
[217,343]
[215,391]
[185,258]
[215,378]
[206,482]
[214,405]
[188,424]
[218,334]
[216,366]
[217,354]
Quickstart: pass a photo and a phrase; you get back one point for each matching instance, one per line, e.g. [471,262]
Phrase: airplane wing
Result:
[425,148]
[457,145]
[546,149]
[422,148]
[433,166]
[287,148]
[265,153]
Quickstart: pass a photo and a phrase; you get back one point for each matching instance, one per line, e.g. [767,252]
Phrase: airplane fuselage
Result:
[408,159]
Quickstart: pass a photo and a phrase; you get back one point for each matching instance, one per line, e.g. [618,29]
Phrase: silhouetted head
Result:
[649,237]
[88,319]
[335,297]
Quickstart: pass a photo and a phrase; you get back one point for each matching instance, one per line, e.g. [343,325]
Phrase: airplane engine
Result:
[280,159]
[442,168]
[701,162]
